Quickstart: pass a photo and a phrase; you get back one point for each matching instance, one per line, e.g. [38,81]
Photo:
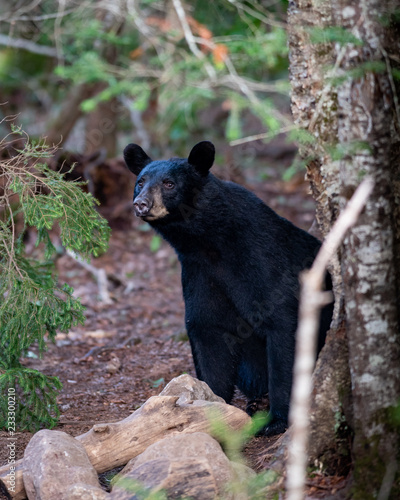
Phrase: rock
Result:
[85,492]
[113,365]
[56,466]
[186,465]
[189,389]
[241,472]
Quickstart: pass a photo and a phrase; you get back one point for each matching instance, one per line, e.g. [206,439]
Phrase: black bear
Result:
[240,265]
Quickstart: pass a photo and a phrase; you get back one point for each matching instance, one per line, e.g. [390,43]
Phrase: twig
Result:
[331,487]
[252,12]
[180,11]
[99,274]
[272,88]
[57,30]
[19,43]
[311,301]
[42,17]
[136,119]
[265,135]
[24,9]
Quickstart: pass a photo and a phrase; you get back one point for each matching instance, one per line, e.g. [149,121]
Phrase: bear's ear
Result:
[202,156]
[135,158]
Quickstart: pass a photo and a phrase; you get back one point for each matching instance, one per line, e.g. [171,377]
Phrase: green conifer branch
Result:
[33,305]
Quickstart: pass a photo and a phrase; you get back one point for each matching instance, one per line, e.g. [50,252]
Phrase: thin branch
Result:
[19,43]
[99,274]
[247,87]
[266,135]
[180,11]
[255,86]
[43,17]
[254,13]
[137,122]
[57,29]
[312,299]
[24,9]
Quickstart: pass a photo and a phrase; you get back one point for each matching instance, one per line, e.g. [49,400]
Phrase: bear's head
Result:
[165,187]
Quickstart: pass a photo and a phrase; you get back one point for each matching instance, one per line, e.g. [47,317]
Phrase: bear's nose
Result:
[142,206]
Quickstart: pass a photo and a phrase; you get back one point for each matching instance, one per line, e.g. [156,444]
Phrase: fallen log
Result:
[114,444]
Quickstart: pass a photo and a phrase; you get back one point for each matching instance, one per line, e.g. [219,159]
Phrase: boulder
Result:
[185,465]
[189,389]
[56,466]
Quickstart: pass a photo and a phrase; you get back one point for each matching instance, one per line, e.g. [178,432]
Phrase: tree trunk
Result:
[368,115]
[314,108]
[356,120]
[101,127]
[61,126]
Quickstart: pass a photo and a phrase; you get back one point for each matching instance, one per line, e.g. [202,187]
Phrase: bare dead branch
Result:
[180,11]
[255,13]
[311,301]
[19,43]
[266,135]
[12,19]
[137,122]
[24,9]
[99,274]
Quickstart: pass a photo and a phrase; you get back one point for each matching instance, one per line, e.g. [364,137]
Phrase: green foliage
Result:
[88,68]
[155,243]
[394,415]
[233,442]
[336,34]
[139,491]
[236,45]
[340,151]
[255,487]
[33,304]
[35,398]
[298,165]
[261,52]
[359,72]
[302,136]
[157,383]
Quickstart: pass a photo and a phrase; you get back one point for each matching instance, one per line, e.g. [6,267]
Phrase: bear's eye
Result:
[140,183]
[169,184]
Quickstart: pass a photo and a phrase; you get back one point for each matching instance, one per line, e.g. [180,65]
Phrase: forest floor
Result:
[129,350]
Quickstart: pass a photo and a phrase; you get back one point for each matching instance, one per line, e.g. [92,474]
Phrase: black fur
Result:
[240,266]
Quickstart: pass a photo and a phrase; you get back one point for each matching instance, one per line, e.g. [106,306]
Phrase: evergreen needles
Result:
[32,302]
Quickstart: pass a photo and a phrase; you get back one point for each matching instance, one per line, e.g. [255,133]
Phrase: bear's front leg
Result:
[215,358]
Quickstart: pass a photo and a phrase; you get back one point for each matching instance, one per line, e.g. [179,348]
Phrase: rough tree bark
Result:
[314,108]
[356,118]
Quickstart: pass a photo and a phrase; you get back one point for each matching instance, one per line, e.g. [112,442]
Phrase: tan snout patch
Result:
[158,210]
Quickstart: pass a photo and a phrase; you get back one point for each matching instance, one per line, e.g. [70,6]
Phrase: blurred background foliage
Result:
[98,74]
[89,77]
